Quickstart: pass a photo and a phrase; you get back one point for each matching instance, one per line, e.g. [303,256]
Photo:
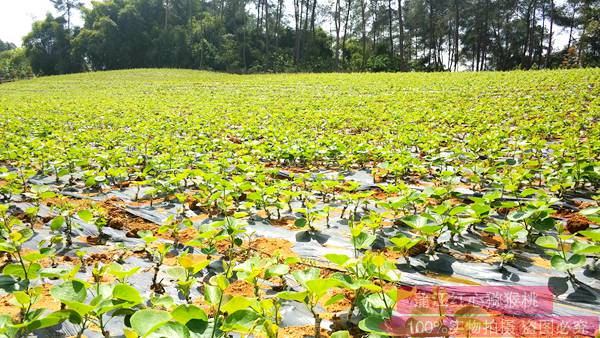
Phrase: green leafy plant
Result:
[403,244]
[511,233]
[563,260]
[158,255]
[185,273]
[590,250]
[309,216]
[255,267]
[107,301]
[427,228]
[315,289]
[66,220]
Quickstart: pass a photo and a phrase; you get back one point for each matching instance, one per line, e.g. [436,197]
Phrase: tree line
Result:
[316,35]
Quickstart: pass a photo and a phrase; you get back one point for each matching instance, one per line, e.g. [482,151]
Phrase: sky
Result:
[16,17]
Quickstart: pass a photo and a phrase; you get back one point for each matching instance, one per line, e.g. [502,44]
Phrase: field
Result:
[175,203]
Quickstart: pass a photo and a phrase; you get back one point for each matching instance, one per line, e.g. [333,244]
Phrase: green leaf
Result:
[212,294]
[145,321]
[340,334]
[300,222]
[548,242]
[57,222]
[338,259]
[86,216]
[416,221]
[177,272]
[480,209]
[184,313]
[220,281]
[301,276]
[7,247]
[585,248]
[81,308]
[430,229]
[169,330]
[52,319]
[162,301]
[54,272]
[364,240]
[574,262]
[276,270]
[594,235]
[127,293]
[71,291]
[293,295]
[22,297]
[544,224]
[373,324]
[33,257]
[519,215]
[243,321]
[401,242]
[320,286]
[15,270]
[236,303]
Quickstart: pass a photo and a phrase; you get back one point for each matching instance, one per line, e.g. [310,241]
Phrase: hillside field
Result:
[180,203]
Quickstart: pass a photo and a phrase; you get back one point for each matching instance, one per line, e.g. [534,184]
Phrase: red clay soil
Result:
[240,288]
[575,221]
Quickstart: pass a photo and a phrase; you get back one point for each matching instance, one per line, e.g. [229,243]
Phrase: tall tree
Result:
[391,28]
[401,36]
[66,8]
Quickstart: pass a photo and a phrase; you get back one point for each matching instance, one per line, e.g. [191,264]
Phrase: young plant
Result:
[206,239]
[309,216]
[360,239]
[158,255]
[148,238]
[115,269]
[535,215]
[556,247]
[587,248]
[173,227]
[81,255]
[98,216]
[107,301]
[214,294]
[67,212]
[252,317]
[256,268]
[511,233]
[184,274]
[36,194]
[403,244]
[315,289]
[184,320]
[10,184]
[378,306]
[373,221]
[287,196]
[427,228]
[355,278]
[264,198]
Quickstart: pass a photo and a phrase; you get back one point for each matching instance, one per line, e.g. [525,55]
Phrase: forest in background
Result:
[308,35]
